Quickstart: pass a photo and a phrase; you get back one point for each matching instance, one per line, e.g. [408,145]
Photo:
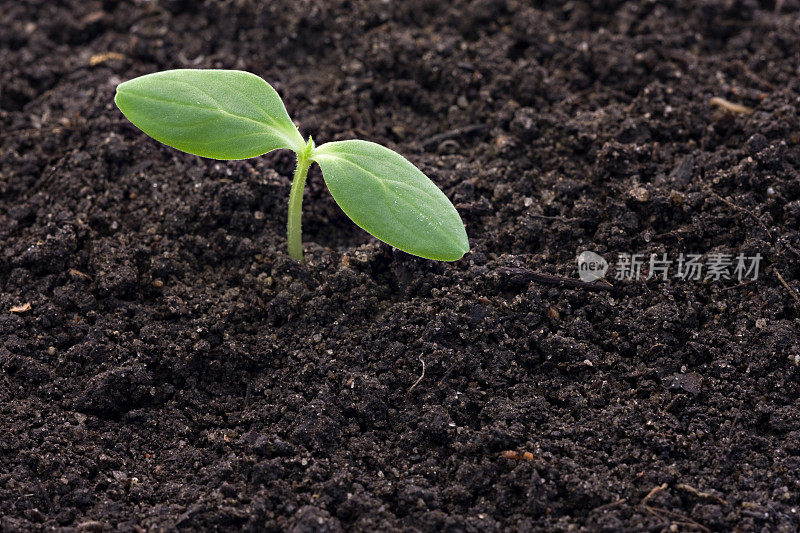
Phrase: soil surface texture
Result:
[165,366]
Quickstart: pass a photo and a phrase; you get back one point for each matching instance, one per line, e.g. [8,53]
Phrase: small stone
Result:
[310,518]
[640,194]
[691,382]
[91,526]
[115,391]
[756,143]
[271,446]
[34,515]
[682,174]
[228,490]
[524,124]
[503,142]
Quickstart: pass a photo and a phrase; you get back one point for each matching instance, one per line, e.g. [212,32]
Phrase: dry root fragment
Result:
[408,392]
[676,518]
[516,455]
[102,58]
[700,494]
[730,106]
[786,285]
[78,274]
[21,308]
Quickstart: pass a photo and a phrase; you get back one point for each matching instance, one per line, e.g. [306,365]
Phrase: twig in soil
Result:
[45,496]
[738,286]
[20,131]
[777,274]
[102,58]
[700,494]
[552,217]
[421,360]
[609,505]
[730,432]
[657,345]
[730,106]
[433,142]
[792,248]
[739,208]
[752,75]
[44,179]
[788,288]
[672,402]
[447,373]
[247,396]
[653,492]
[78,274]
[520,276]
[665,514]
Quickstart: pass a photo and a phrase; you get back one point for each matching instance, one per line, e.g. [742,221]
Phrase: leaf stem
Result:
[294,235]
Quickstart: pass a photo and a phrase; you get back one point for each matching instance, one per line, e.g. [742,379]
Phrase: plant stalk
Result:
[294,234]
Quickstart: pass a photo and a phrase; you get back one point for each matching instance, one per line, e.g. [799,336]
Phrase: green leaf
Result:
[383,193]
[221,114]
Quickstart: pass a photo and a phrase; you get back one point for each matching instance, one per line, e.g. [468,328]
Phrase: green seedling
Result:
[231,114]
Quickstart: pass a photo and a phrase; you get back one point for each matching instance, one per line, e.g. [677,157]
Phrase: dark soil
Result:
[176,370]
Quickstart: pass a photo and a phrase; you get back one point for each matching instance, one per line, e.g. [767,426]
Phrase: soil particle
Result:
[310,519]
[691,383]
[115,391]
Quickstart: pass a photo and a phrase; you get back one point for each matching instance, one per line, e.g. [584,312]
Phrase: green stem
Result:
[294,235]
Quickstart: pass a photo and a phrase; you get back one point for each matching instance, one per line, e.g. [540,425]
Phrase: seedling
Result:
[231,114]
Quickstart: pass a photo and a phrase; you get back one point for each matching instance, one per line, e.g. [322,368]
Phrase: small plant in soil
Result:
[231,114]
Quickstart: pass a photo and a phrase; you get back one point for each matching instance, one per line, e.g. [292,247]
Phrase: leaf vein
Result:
[280,133]
[445,229]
